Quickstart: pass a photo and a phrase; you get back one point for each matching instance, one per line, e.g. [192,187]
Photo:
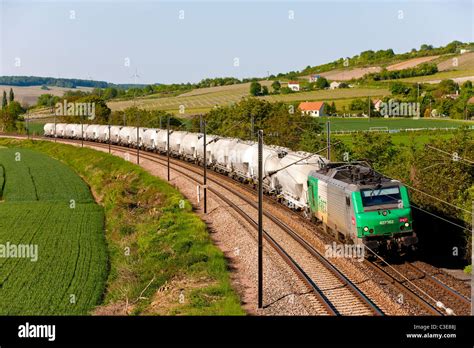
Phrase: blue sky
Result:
[44,38]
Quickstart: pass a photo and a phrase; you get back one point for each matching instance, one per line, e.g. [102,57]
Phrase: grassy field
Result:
[44,203]
[361,124]
[200,101]
[161,258]
[29,94]
[403,139]
[443,75]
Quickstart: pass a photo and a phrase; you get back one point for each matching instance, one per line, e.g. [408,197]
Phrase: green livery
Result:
[360,206]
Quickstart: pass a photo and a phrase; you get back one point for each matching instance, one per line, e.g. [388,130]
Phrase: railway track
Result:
[431,289]
[332,289]
[333,285]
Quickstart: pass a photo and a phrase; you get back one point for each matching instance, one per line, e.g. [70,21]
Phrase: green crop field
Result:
[361,124]
[48,208]
[202,100]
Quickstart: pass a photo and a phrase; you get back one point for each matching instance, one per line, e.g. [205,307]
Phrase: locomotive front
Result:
[382,216]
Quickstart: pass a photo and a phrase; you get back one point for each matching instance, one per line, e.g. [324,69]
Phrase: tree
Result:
[4,100]
[264,90]
[255,89]
[467,85]
[377,148]
[276,85]
[12,95]
[321,83]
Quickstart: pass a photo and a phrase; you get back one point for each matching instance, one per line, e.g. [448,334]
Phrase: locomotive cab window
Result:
[382,196]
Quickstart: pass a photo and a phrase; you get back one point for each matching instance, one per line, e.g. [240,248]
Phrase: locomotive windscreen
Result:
[382,196]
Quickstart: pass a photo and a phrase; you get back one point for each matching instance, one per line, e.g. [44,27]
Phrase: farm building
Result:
[314,78]
[315,109]
[452,96]
[294,86]
[334,85]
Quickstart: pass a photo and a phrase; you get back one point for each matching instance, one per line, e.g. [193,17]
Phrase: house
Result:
[451,96]
[315,109]
[463,50]
[294,86]
[334,85]
[377,104]
[314,78]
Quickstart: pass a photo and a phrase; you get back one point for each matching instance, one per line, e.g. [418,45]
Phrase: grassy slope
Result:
[391,123]
[168,244]
[71,248]
[202,102]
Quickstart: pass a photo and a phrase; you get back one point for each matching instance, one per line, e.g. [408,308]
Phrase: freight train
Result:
[353,202]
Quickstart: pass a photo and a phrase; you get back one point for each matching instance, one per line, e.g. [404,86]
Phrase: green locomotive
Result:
[358,205]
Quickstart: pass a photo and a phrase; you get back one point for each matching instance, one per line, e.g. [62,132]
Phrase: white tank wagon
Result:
[115,134]
[189,143]
[161,141]
[176,139]
[271,162]
[92,132]
[221,152]
[69,131]
[48,129]
[150,138]
[125,135]
[242,156]
[78,130]
[133,136]
[292,180]
[103,134]
[210,140]
[61,130]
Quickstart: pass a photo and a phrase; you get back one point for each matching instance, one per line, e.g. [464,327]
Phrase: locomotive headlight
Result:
[366,229]
[407,224]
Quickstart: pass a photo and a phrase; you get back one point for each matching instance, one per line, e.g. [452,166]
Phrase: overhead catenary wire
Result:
[301,159]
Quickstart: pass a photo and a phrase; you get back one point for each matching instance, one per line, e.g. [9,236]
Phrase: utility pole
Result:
[138,140]
[168,146]
[328,140]
[260,218]
[418,98]
[82,132]
[369,108]
[28,123]
[205,168]
[252,125]
[160,123]
[55,135]
[109,136]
